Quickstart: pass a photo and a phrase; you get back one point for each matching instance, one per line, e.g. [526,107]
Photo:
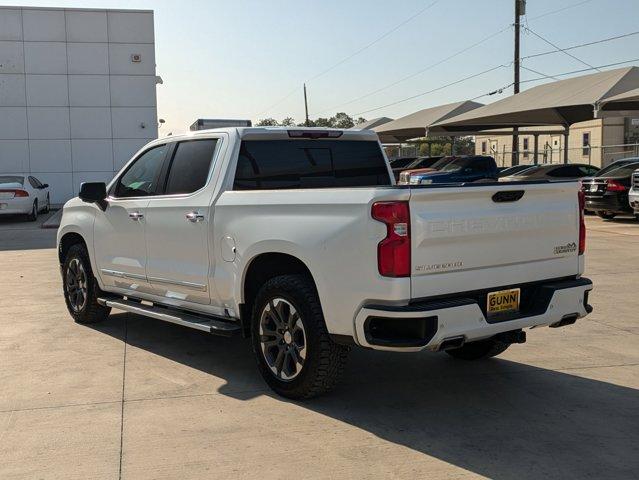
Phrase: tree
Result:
[342,120]
[288,122]
[267,122]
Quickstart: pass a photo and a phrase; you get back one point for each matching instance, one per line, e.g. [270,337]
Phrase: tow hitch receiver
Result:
[514,336]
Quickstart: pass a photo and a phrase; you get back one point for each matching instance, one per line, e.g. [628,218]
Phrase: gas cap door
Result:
[228,249]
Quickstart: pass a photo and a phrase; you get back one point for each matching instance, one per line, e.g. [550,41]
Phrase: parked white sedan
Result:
[23,194]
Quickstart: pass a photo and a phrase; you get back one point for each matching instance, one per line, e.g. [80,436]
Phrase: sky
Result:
[250,58]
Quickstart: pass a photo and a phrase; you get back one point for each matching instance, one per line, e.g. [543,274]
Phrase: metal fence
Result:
[592,155]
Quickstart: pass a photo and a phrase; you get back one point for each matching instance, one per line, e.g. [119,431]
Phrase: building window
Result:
[525,147]
[585,143]
[483,148]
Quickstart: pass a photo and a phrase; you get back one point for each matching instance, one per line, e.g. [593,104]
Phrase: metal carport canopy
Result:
[370,124]
[557,103]
[417,124]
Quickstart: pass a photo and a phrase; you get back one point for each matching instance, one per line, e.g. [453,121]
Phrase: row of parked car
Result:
[610,191]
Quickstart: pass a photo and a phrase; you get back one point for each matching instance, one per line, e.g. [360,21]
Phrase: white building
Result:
[77,93]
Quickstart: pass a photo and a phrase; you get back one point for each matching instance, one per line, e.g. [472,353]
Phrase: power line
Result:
[558,48]
[433,90]
[378,39]
[616,64]
[538,73]
[412,75]
[596,42]
[357,52]
[544,76]
[560,10]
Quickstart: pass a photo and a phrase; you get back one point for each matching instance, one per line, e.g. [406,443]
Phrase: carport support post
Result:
[566,133]
[536,154]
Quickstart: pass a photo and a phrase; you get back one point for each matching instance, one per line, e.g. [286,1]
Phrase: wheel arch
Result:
[262,268]
[67,241]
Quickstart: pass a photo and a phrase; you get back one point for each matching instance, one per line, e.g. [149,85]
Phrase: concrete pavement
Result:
[138,399]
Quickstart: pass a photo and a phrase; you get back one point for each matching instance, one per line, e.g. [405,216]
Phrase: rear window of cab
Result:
[295,164]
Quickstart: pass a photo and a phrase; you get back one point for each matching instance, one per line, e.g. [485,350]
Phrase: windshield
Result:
[11,179]
[615,165]
[441,162]
[402,162]
[528,171]
[455,165]
[622,171]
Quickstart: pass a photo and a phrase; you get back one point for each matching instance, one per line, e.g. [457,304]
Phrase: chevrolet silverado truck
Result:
[300,240]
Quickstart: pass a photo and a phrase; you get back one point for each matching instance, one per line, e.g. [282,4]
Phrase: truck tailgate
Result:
[466,238]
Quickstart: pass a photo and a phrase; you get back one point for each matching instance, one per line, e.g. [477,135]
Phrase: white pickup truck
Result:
[300,239]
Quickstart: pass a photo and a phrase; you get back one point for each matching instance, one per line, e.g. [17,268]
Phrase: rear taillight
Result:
[615,186]
[582,223]
[393,253]
[16,193]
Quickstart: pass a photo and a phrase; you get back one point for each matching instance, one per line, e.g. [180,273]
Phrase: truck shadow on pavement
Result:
[496,418]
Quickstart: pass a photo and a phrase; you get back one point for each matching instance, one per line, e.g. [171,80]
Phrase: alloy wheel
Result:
[282,339]
[76,282]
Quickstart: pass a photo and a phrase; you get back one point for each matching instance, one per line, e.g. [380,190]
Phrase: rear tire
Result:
[81,291]
[295,354]
[478,350]
[606,215]
[33,216]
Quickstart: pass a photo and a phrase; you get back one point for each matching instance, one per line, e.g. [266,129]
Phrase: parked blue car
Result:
[464,169]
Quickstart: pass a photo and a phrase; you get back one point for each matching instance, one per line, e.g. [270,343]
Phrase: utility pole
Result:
[520,9]
[306,106]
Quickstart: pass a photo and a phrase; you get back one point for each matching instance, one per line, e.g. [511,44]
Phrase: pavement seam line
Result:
[126,324]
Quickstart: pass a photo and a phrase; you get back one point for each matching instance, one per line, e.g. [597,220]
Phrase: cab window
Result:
[142,176]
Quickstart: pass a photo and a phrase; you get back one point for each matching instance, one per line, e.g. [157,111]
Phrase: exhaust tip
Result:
[452,342]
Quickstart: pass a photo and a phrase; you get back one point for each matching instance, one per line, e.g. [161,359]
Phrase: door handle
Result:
[136,216]
[194,217]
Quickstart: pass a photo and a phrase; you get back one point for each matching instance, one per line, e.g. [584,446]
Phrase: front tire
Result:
[606,215]
[81,289]
[295,355]
[478,350]
[47,207]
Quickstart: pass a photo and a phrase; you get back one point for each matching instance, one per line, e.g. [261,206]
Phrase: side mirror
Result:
[45,185]
[93,192]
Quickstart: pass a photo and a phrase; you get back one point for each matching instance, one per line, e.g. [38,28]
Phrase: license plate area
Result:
[503,301]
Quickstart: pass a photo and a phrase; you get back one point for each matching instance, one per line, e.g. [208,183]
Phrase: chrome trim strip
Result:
[118,274]
[194,286]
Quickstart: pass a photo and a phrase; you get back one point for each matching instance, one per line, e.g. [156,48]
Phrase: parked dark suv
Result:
[607,193]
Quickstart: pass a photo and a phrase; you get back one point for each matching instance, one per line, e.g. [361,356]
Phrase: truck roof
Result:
[273,133]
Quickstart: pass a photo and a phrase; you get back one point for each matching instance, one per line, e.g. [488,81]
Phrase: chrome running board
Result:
[214,325]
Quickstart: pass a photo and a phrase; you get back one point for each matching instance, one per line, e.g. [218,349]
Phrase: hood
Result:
[419,171]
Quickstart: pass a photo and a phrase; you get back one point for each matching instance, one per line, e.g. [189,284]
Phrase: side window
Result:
[480,165]
[141,178]
[33,182]
[565,172]
[190,166]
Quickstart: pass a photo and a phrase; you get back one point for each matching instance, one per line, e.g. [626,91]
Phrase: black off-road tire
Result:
[479,350]
[92,311]
[33,216]
[606,215]
[325,360]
